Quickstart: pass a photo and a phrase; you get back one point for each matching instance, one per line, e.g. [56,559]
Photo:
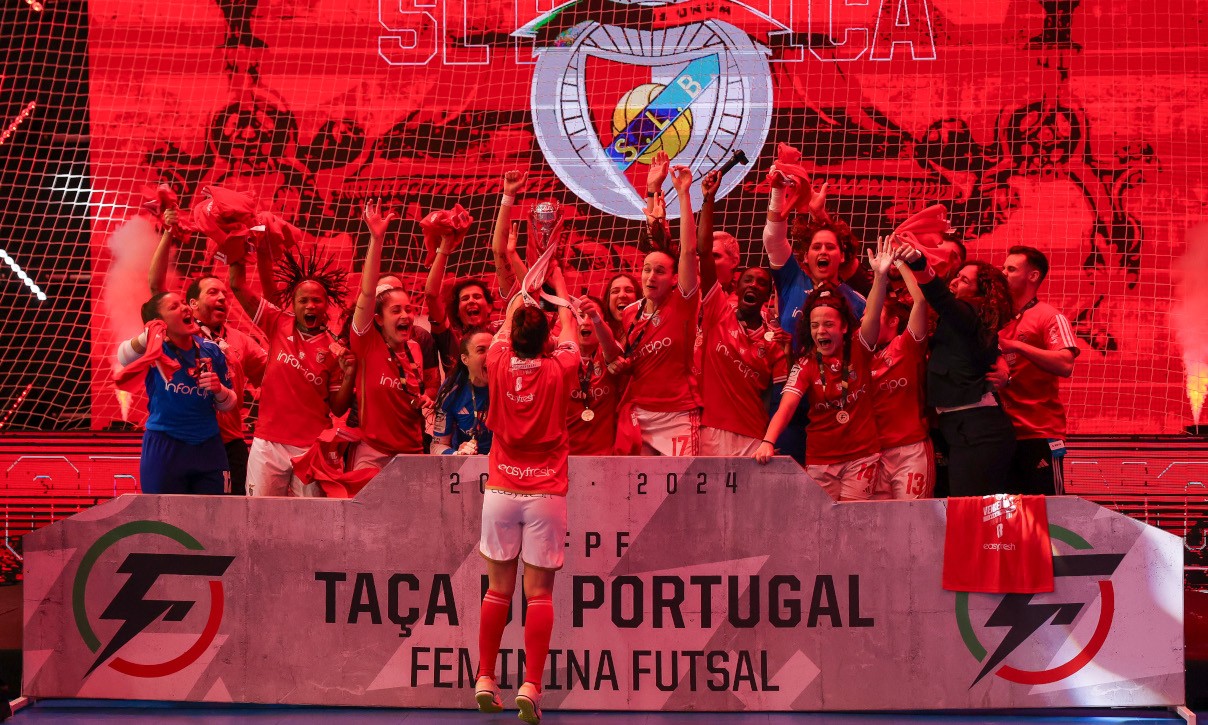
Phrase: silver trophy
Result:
[545,217]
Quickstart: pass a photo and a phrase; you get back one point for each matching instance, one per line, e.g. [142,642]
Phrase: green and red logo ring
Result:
[80,609]
[1107,611]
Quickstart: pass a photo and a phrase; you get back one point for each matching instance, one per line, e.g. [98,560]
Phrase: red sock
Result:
[538,624]
[490,631]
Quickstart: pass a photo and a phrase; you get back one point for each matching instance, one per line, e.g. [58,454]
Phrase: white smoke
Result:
[126,288]
[1189,315]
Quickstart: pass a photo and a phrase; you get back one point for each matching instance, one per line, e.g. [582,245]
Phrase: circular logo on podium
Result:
[134,607]
[1019,617]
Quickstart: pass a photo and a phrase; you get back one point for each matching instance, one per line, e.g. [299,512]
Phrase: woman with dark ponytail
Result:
[964,350]
[524,505]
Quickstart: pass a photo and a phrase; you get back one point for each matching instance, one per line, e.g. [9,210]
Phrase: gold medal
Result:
[842,417]
[588,415]
[769,335]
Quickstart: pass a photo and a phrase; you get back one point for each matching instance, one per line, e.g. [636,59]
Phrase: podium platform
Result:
[691,584]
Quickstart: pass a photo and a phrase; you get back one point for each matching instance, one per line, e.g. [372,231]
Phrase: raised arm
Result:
[775,229]
[237,280]
[689,269]
[566,319]
[377,224]
[501,247]
[870,326]
[917,325]
[608,344]
[157,275]
[437,315]
[704,234]
[960,315]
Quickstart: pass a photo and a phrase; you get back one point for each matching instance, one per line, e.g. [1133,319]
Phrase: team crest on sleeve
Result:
[617,82]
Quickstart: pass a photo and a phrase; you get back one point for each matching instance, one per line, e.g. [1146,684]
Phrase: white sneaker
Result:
[528,700]
[486,694]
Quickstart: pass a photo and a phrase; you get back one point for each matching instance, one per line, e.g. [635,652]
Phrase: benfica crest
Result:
[615,83]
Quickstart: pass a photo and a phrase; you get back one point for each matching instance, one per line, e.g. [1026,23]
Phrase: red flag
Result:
[130,377]
[323,463]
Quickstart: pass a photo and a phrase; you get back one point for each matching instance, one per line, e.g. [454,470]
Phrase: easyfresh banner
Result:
[690,584]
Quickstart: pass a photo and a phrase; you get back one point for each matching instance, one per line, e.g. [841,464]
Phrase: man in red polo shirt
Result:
[1040,348]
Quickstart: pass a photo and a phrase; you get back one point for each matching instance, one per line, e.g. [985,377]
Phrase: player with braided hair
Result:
[308,377]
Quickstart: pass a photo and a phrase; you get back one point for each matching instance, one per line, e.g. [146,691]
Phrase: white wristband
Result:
[507,200]
[776,200]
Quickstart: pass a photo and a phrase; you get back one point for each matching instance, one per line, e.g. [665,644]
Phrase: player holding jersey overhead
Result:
[207,297]
[741,354]
[660,333]
[524,506]
[833,373]
[390,376]
[907,460]
[305,380]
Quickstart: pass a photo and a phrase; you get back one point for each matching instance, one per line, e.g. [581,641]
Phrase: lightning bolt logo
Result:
[136,612]
[1023,618]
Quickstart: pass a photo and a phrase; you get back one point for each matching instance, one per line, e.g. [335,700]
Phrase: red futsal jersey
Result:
[387,385]
[897,393]
[998,545]
[660,347]
[1033,398]
[842,425]
[740,364]
[298,381]
[602,391]
[527,418]
[245,361]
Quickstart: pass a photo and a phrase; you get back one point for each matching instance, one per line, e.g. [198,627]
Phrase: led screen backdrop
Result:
[1076,127]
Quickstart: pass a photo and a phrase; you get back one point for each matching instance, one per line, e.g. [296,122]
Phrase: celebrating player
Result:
[390,377]
[907,462]
[524,507]
[182,447]
[620,292]
[463,401]
[469,304]
[660,335]
[592,416]
[207,297]
[834,373]
[307,378]
[741,354]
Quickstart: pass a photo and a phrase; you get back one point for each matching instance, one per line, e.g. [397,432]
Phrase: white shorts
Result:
[668,434]
[534,523]
[718,442]
[366,456]
[849,480]
[907,472]
[270,471]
